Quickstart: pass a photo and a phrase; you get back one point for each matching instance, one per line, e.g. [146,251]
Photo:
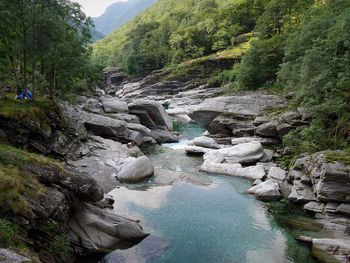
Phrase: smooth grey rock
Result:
[128,118]
[152,114]
[266,191]
[251,172]
[267,166]
[331,207]
[283,129]
[267,156]
[331,180]
[267,129]
[245,106]
[263,141]
[114,105]
[257,181]
[163,136]
[139,127]
[205,142]
[196,150]
[331,250]
[301,193]
[96,230]
[9,256]
[315,207]
[242,153]
[136,170]
[277,174]
[343,209]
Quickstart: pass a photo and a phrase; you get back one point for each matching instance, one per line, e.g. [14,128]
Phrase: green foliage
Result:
[60,246]
[171,32]
[260,64]
[8,232]
[45,43]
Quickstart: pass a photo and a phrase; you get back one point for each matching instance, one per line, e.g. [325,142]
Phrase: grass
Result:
[16,183]
[338,156]
[60,246]
[8,232]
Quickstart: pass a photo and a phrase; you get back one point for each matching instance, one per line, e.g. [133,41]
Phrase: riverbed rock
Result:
[331,180]
[301,193]
[236,169]
[139,127]
[331,250]
[277,174]
[104,126]
[263,141]
[246,106]
[98,231]
[114,105]
[137,170]
[152,114]
[343,209]
[314,206]
[266,191]
[9,256]
[242,153]
[163,136]
[205,142]
[267,130]
[128,118]
[196,150]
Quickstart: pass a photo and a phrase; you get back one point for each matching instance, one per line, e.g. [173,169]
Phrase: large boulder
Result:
[95,230]
[246,106]
[205,142]
[196,150]
[152,114]
[267,130]
[301,193]
[137,170]
[251,172]
[266,191]
[104,126]
[114,105]
[331,250]
[330,179]
[242,153]
[277,174]
[263,141]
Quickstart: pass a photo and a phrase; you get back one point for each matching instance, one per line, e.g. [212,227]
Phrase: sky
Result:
[95,8]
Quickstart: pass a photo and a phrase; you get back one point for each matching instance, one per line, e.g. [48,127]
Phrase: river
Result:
[197,217]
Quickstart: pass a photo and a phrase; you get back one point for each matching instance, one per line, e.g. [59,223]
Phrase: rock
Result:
[257,181]
[331,180]
[81,185]
[196,150]
[267,156]
[150,248]
[267,166]
[343,209]
[246,106]
[251,172]
[205,142]
[98,231]
[104,126]
[331,250]
[267,129]
[128,118]
[283,129]
[304,239]
[302,163]
[331,207]
[93,106]
[113,105]
[263,141]
[230,126]
[277,174]
[305,180]
[301,193]
[152,114]
[139,127]
[242,153]
[9,256]
[137,170]
[289,116]
[163,136]
[260,120]
[266,191]
[315,207]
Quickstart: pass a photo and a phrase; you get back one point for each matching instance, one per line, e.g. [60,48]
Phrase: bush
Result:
[60,246]
[8,232]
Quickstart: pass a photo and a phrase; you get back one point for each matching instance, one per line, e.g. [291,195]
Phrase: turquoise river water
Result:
[195,217]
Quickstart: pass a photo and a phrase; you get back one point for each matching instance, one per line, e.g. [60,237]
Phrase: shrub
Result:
[8,232]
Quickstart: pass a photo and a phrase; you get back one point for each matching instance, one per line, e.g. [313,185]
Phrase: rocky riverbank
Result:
[98,145]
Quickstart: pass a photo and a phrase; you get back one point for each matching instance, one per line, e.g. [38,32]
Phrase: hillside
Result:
[119,13]
[172,31]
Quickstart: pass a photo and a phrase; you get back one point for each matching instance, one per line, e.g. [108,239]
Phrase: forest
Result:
[44,45]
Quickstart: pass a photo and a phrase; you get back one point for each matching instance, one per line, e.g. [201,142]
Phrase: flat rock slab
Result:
[248,105]
[251,172]
[266,191]
[242,153]
[8,256]
[137,170]
[114,105]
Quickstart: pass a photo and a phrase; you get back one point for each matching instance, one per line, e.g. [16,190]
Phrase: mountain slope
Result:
[119,13]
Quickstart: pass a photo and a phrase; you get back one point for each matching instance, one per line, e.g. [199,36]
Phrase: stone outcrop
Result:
[114,105]
[236,169]
[136,170]
[266,191]
[9,256]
